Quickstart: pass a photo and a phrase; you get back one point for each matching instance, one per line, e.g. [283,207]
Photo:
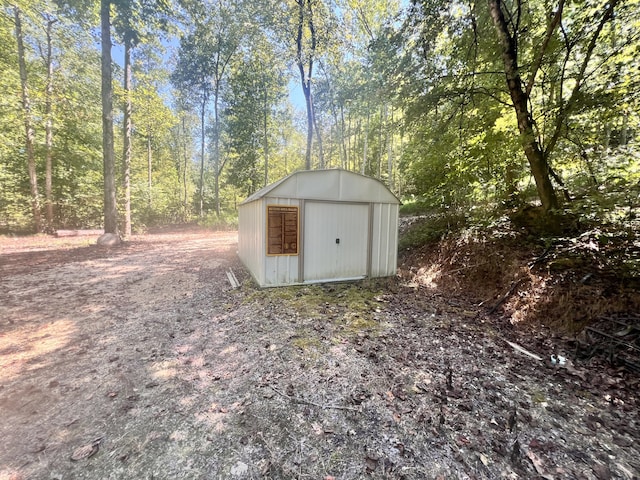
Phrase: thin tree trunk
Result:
[319,137]
[389,149]
[366,145]
[532,150]
[127,130]
[343,147]
[383,121]
[343,144]
[354,144]
[110,207]
[203,107]
[149,172]
[48,181]
[266,136]
[587,162]
[185,160]
[307,156]
[216,147]
[28,125]
[348,145]
[305,76]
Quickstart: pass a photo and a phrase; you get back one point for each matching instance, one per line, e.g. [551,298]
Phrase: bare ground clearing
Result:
[140,362]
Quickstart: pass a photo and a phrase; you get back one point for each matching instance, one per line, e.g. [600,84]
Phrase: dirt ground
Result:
[141,362]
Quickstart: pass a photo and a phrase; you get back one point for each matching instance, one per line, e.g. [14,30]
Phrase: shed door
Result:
[336,241]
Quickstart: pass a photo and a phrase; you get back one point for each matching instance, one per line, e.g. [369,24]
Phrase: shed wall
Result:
[384,241]
[251,238]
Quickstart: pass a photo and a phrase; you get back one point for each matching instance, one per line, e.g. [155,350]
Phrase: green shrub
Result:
[226,221]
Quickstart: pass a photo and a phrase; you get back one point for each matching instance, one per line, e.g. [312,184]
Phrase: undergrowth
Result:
[508,265]
[224,221]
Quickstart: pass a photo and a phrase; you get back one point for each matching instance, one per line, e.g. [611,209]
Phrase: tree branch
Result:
[547,38]
[564,112]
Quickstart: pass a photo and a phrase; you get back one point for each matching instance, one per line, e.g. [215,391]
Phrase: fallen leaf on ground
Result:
[86,451]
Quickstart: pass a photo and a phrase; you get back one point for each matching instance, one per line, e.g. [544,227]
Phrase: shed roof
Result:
[335,184]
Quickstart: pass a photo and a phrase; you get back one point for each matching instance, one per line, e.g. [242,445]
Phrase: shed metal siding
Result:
[384,244]
[251,238]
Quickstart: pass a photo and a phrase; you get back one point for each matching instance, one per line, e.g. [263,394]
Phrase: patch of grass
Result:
[538,397]
[415,206]
[351,325]
[348,307]
[306,342]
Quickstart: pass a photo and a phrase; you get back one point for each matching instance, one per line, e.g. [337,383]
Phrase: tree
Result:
[28,124]
[255,89]
[203,60]
[153,119]
[539,60]
[110,206]
[350,95]
[181,144]
[520,95]
[192,77]
[127,131]
[306,45]
[48,58]
[135,21]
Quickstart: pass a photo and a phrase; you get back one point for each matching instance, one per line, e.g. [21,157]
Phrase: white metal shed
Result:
[319,226]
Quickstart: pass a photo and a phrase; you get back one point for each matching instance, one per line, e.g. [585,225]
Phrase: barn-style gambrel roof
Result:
[335,185]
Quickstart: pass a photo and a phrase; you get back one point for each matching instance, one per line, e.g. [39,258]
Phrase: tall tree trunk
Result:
[149,171]
[307,98]
[48,126]
[343,145]
[110,207]
[306,74]
[383,120]
[185,161]
[321,163]
[203,111]
[535,156]
[28,125]
[216,146]
[389,140]
[365,146]
[349,151]
[265,113]
[126,137]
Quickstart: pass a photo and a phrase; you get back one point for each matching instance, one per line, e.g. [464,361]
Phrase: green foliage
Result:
[224,221]
[255,91]
[77,170]
[431,229]
[411,93]
[464,149]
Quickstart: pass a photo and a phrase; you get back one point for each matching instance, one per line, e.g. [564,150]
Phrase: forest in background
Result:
[474,109]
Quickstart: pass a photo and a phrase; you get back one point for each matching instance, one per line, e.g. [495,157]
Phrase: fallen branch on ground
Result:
[307,402]
[520,349]
[506,295]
